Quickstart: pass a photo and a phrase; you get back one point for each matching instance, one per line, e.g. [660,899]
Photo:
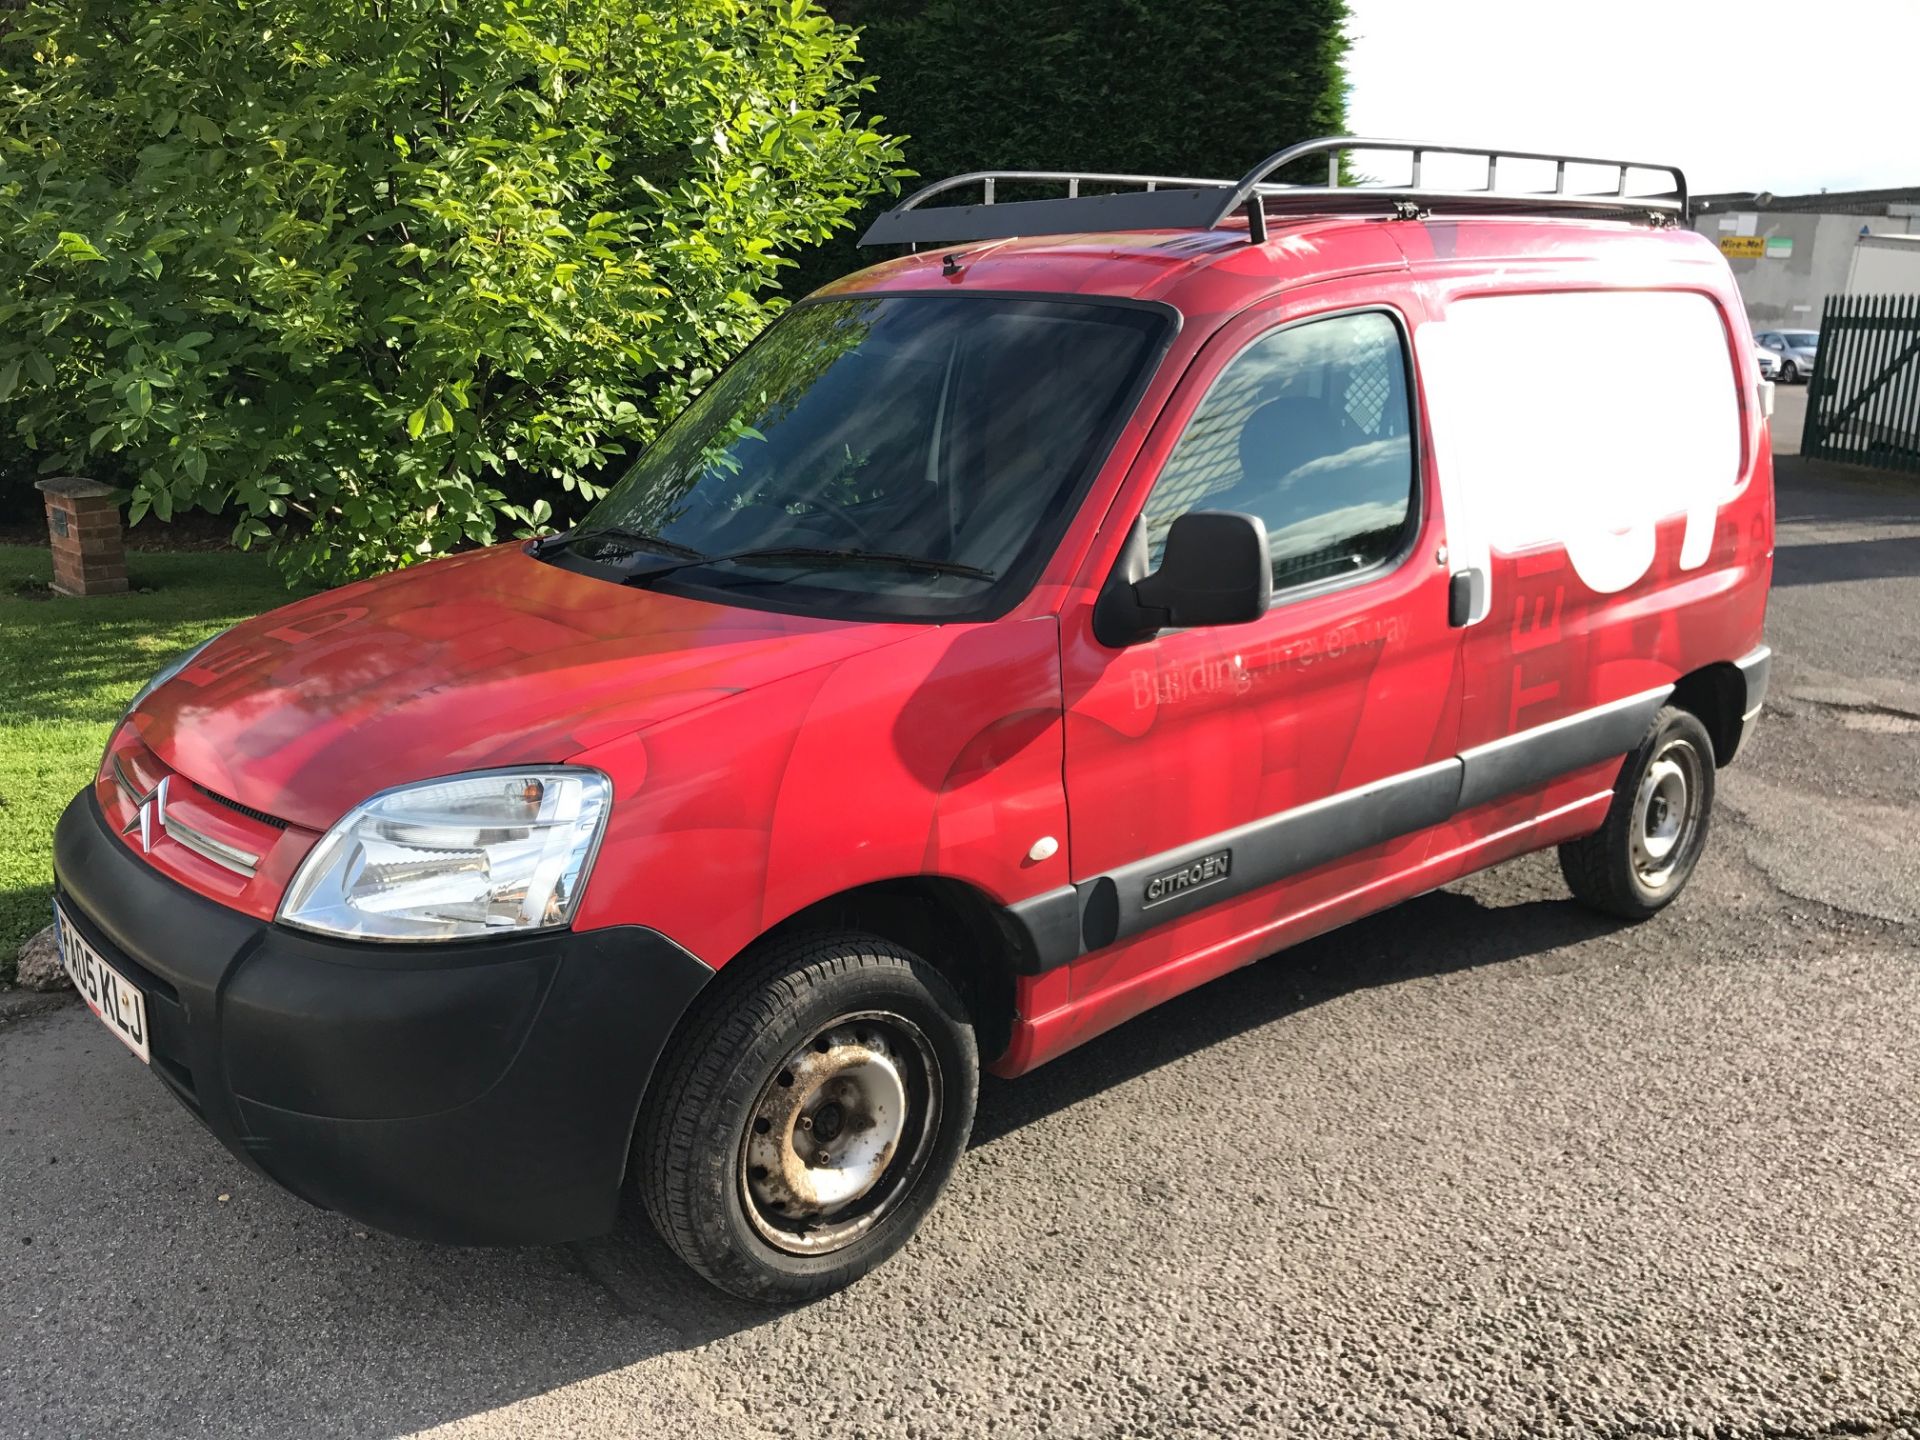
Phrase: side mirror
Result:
[1215,571]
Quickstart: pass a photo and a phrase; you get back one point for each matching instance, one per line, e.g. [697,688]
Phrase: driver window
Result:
[1307,428]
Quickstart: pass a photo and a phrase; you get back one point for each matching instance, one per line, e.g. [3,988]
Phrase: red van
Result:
[1117,588]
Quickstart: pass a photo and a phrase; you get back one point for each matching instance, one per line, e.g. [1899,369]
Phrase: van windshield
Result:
[859,436]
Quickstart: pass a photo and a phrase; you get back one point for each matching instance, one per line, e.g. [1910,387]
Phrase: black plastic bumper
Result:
[480,1093]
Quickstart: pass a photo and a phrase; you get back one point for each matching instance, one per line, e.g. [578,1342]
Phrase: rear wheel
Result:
[808,1116]
[1640,860]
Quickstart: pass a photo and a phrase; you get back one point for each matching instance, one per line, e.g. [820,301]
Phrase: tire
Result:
[1790,373]
[1639,861]
[842,1043]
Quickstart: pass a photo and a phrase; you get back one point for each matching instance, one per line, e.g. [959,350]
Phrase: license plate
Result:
[109,994]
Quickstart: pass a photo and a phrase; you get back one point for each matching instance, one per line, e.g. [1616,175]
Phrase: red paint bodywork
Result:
[764,762]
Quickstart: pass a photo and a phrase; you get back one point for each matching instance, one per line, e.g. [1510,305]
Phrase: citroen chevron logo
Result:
[148,809]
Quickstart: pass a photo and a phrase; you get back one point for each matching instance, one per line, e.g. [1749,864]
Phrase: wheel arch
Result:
[1716,696]
[954,925]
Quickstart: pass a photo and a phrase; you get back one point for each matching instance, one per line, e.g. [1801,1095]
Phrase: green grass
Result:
[67,669]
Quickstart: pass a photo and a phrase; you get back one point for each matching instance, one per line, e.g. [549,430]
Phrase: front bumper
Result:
[479,1093]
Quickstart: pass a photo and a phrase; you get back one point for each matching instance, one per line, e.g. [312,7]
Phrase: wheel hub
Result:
[825,1133]
[1664,813]
[828,1121]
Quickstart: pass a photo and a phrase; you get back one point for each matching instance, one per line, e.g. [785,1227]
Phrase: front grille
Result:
[154,801]
[247,810]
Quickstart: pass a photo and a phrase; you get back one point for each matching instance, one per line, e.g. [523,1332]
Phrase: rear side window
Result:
[1538,446]
[1308,429]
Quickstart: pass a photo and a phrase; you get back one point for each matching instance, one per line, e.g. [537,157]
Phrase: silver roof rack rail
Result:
[1172,202]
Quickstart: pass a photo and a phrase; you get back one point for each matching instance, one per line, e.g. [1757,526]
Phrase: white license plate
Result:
[108,993]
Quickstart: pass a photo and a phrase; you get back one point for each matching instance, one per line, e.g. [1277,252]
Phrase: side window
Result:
[1306,428]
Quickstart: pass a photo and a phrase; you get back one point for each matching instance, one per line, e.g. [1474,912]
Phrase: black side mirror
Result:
[1215,571]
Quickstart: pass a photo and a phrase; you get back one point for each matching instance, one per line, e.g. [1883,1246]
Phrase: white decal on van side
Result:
[1581,419]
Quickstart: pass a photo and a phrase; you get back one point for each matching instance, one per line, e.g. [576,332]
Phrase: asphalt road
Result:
[1483,1165]
[1789,418]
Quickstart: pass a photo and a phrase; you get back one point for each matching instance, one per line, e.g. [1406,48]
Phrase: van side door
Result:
[1585,526]
[1221,777]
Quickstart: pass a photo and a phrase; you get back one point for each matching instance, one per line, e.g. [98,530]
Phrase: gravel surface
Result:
[1483,1165]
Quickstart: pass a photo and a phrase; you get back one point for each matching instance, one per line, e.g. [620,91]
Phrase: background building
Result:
[1789,252]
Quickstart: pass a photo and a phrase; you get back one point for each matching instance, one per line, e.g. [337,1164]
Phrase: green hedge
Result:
[1181,87]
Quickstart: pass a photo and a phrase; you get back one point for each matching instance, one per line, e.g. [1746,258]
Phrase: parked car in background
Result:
[1794,349]
[1018,634]
[1768,361]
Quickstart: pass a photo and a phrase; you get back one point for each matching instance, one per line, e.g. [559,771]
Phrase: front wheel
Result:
[1637,863]
[1790,373]
[808,1116]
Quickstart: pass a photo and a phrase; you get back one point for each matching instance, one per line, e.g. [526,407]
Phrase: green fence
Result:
[1863,404]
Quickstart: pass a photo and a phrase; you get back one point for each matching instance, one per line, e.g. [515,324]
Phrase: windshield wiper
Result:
[633,539]
[818,555]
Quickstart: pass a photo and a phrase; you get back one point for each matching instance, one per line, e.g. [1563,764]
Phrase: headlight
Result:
[494,852]
[166,672]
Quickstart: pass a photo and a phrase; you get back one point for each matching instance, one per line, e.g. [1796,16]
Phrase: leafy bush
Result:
[385,277]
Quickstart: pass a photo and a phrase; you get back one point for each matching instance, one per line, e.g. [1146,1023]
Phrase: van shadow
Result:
[1437,934]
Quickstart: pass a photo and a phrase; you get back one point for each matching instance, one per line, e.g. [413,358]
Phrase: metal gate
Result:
[1863,404]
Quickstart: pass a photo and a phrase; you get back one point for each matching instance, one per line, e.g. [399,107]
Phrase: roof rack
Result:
[1172,202]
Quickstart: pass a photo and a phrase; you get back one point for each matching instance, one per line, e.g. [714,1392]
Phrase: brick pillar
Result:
[89,551]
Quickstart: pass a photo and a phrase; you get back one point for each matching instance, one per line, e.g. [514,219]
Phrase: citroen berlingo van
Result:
[1111,589]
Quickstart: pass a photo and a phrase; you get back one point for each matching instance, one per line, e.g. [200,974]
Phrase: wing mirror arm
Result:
[1119,618]
[1215,570]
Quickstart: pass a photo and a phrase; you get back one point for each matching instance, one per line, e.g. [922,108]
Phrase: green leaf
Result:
[417,423]
[75,246]
[9,377]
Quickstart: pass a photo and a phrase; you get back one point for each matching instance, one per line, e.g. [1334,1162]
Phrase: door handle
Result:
[1467,596]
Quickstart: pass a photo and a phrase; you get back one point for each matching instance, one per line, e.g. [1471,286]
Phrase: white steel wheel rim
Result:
[1665,813]
[839,1132]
